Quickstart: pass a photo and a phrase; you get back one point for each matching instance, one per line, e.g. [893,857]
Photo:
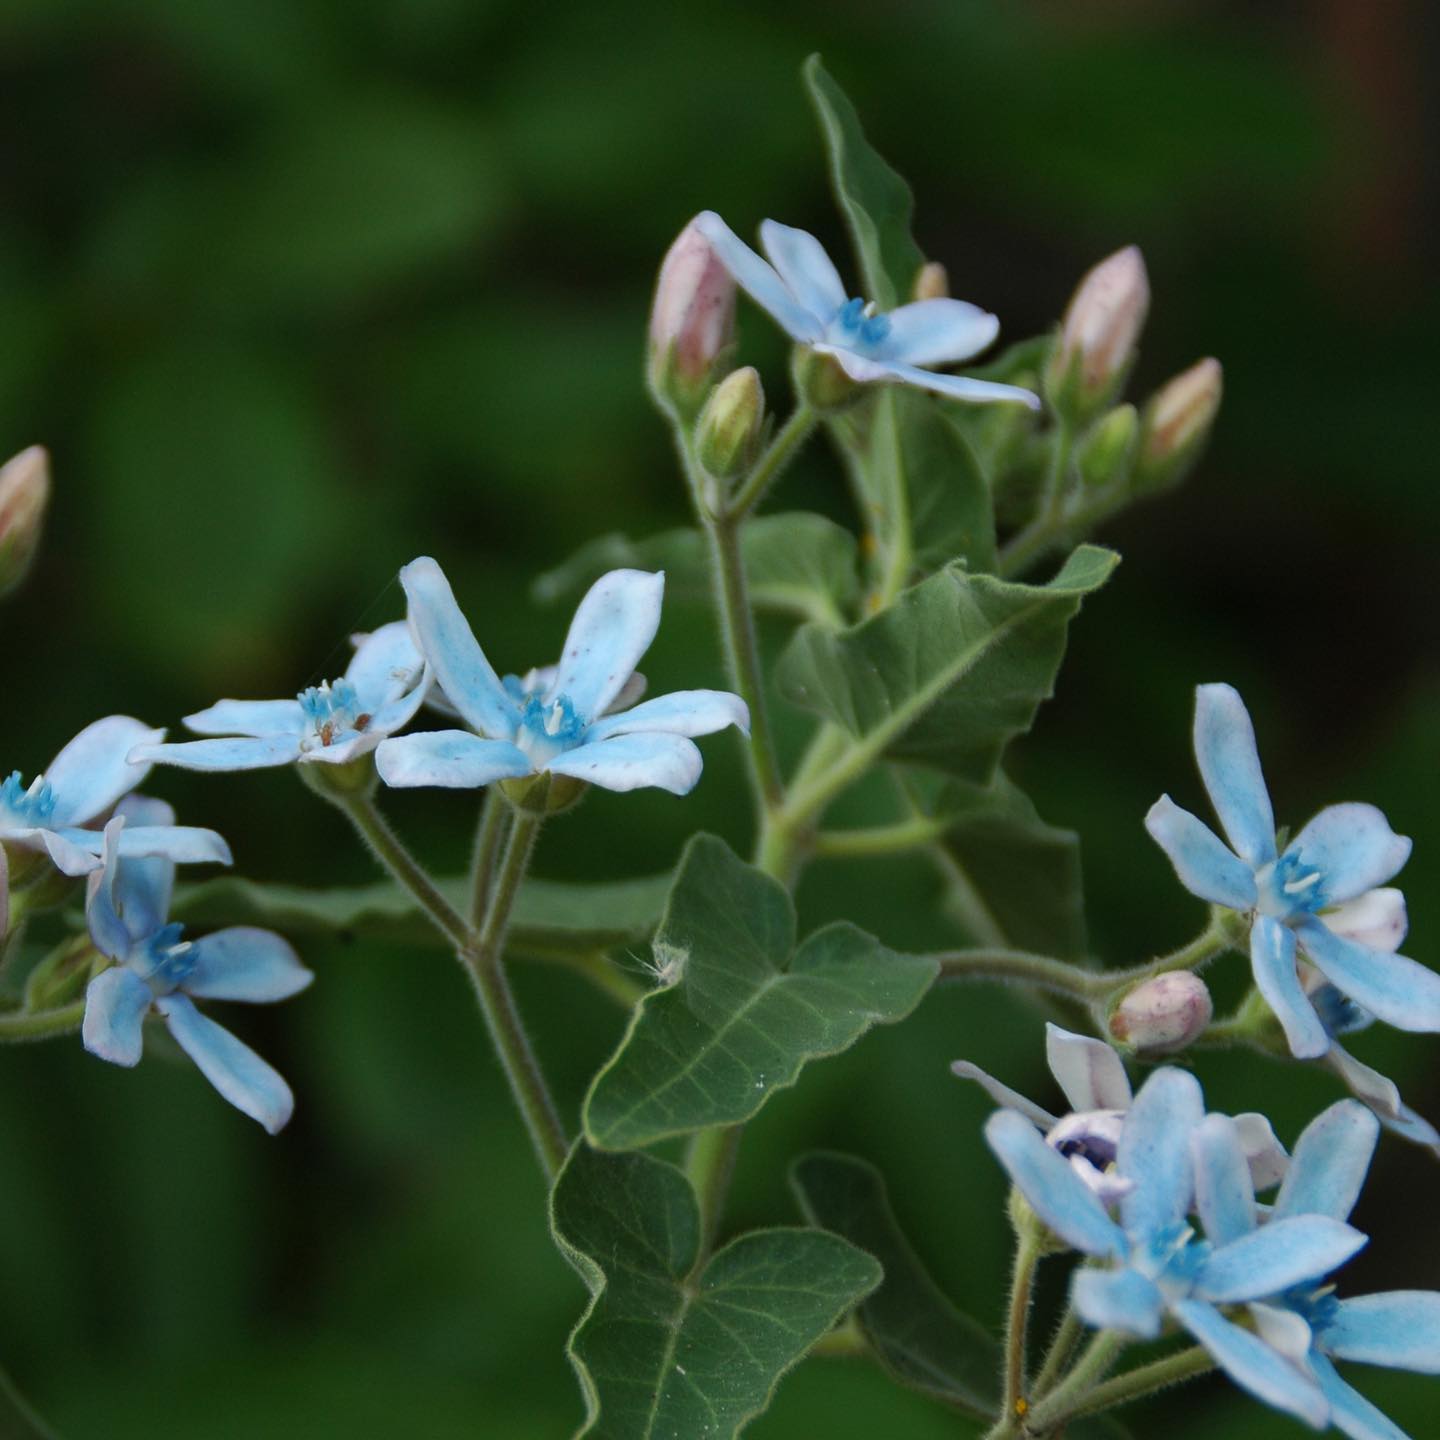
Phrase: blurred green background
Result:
[299,289]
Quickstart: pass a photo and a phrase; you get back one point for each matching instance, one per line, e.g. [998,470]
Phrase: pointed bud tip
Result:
[932,282]
[1179,415]
[727,434]
[1163,1015]
[24,497]
[692,318]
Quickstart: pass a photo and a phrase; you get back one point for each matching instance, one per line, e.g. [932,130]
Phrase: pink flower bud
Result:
[24,493]
[692,319]
[1163,1014]
[1099,332]
[1177,423]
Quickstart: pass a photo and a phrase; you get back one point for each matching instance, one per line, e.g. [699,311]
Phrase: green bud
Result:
[62,974]
[1028,1226]
[1096,344]
[1108,451]
[340,782]
[24,494]
[543,794]
[1176,424]
[727,434]
[821,382]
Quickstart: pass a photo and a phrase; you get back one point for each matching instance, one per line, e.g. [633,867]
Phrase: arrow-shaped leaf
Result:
[741,1015]
[664,1352]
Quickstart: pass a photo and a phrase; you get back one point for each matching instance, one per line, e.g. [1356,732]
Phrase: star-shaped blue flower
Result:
[329,724]
[1338,858]
[560,723]
[802,290]
[81,785]
[128,912]
[1158,1265]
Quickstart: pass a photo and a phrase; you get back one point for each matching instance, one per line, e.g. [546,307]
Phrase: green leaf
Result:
[917,1334]
[952,671]
[740,1016]
[1023,875]
[797,564]
[661,1351]
[549,914]
[877,203]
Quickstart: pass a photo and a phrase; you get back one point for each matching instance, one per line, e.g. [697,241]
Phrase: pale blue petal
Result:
[184,844]
[1003,1095]
[632,762]
[613,627]
[454,759]
[92,772]
[1380,1093]
[760,281]
[1055,1192]
[1354,849]
[1154,1151]
[1281,1254]
[936,332]
[241,753]
[1272,961]
[1224,1195]
[108,930]
[385,665]
[78,856]
[115,1004]
[1378,919]
[248,717]
[1350,1411]
[447,642]
[1118,1300]
[1263,1152]
[1253,1365]
[232,1067]
[803,267]
[1230,766]
[243,963]
[1089,1071]
[1332,1156]
[1205,866]
[1393,988]
[1396,1328]
[954,387]
[682,712]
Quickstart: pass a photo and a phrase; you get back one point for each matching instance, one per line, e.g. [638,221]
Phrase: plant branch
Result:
[781,450]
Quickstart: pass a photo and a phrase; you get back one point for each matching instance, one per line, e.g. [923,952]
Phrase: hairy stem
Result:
[41,1024]
[1023,967]
[1017,1323]
[879,839]
[490,835]
[1040,535]
[1069,1395]
[1147,1379]
[1062,1346]
[781,450]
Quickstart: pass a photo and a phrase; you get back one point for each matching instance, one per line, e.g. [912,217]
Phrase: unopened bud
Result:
[1163,1014]
[1097,338]
[1108,451]
[931,282]
[24,493]
[821,382]
[1176,425]
[727,435]
[692,320]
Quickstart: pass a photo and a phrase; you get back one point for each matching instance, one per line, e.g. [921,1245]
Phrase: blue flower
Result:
[801,289]
[331,724]
[1308,1324]
[1092,1077]
[1173,1154]
[1336,860]
[81,785]
[559,721]
[128,912]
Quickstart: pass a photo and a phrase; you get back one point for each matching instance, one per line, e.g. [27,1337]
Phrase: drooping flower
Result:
[1308,1324]
[1092,1077]
[1158,1264]
[330,724]
[128,915]
[561,722]
[80,786]
[802,290]
[1302,896]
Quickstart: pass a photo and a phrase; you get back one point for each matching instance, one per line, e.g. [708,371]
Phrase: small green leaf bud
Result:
[727,435]
[24,494]
[692,321]
[1096,344]
[1163,1015]
[1176,424]
[1108,451]
[931,282]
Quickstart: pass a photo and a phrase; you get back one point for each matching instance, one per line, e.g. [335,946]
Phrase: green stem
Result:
[497,1004]
[1147,1379]
[879,839]
[1068,1397]
[489,836]
[1062,1346]
[1041,534]
[1022,1286]
[591,965]
[41,1024]
[1023,967]
[782,449]
[709,1164]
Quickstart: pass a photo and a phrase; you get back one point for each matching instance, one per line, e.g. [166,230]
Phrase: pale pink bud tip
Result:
[1104,320]
[1184,409]
[24,494]
[931,282]
[1163,1014]
[693,317]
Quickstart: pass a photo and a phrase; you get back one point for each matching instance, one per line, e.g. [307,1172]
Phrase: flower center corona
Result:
[547,729]
[22,807]
[333,710]
[1290,886]
[166,961]
[859,324]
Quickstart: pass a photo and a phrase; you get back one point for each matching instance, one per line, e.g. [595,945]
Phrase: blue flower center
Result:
[1315,1305]
[547,729]
[26,808]
[860,326]
[1173,1258]
[1291,886]
[165,961]
[1338,1013]
[332,710]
